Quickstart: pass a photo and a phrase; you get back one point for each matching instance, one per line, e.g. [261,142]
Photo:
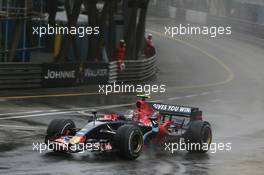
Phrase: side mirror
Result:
[94,112]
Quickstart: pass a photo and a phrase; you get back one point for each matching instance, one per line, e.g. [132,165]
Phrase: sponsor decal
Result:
[51,74]
[71,74]
[95,72]
[61,140]
[108,146]
[75,140]
[172,108]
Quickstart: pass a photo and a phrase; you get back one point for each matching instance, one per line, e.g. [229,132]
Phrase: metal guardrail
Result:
[136,70]
[26,75]
[20,75]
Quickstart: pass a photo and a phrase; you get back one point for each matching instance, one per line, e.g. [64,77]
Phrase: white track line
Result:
[36,115]
[56,112]
[112,106]
[18,113]
[65,112]
[20,127]
[174,98]
[191,96]
[205,93]
[42,111]
[156,101]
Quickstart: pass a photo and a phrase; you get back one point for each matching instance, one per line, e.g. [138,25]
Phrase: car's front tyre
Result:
[59,127]
[129,141]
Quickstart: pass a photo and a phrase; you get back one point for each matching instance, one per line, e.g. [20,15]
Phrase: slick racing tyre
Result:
[198,137]
[129,141]
[59,127]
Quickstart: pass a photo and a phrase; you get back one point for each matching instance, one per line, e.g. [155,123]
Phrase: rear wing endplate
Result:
[168,109]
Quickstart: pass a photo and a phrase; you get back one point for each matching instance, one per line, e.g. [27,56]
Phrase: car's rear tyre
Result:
[59,127]
[129,141]
[198,137]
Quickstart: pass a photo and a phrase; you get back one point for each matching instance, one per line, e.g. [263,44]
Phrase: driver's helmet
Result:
[129,114]
[155,115]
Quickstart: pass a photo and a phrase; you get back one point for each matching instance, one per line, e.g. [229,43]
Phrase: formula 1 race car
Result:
[149,123]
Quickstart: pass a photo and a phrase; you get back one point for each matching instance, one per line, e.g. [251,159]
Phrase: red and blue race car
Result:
[148,123]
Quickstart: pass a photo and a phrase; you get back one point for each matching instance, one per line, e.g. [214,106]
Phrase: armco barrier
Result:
[20,75]
[136,70]
[26,75]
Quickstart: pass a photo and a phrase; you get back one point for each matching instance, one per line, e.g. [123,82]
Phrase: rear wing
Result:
[184,111]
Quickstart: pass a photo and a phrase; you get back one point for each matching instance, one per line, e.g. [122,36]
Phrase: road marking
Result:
[113,106]
[85,113]
[42,111]
[21,127]
[82,111]
[18,113]
[88,113]
[66,111]
[36,115]
[79,110]
[230,74]
[190,96]
[174,98]
[156,101]
[205,93]
[48,96]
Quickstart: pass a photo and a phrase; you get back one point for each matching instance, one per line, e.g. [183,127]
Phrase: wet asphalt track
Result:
[222,76]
